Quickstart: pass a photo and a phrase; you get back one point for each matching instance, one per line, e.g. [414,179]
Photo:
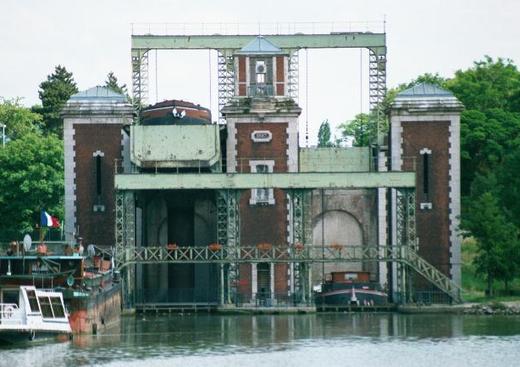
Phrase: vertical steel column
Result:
[119,230]
[293,75]
[226,80]
[406,239]
[233,210]
[377,83]
[222,227]
[139,79]
[228,234]
[129,246]
[298,226]
[125,242]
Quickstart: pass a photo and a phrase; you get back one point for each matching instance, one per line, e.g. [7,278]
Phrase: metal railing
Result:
[291,254]
[54,248]
[281,164]
[260,90]
[268,28]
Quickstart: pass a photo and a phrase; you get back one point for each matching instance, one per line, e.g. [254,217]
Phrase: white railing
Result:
[180,29]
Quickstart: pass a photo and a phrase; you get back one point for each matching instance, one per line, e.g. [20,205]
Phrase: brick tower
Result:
[93,137]
[262,127]
[425,137]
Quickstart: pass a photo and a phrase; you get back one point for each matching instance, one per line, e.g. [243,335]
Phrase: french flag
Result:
[48,221]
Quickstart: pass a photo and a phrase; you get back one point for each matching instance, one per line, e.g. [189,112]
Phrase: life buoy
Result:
[8,312]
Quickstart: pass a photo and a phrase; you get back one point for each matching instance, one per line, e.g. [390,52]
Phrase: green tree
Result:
[496,238]
[324,136]
[362,129]
[18,119]
[31,173]
[488,84]
[54,93]
[113,84]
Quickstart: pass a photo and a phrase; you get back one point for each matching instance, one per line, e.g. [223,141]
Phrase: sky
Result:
[92,38]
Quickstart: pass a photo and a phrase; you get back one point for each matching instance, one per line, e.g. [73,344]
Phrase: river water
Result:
[284,341]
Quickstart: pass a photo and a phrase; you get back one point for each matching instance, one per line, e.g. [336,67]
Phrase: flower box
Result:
[215,247]
[264,246]
[336,246]
[298,246]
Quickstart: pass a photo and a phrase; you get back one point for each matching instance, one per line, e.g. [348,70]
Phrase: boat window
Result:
[33,302]
[57,307]
[45,304]
[10,297]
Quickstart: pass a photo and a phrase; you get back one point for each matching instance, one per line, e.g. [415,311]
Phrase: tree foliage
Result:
[18,119]
[31,172]
[113,84]
[324,135]
[362,129]
[488,84]
[498,256]
[490,153]
[54,93]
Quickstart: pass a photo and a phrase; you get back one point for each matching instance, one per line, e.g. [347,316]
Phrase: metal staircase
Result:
[431,273]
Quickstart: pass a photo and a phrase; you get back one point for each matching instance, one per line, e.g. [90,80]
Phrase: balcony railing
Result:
[260,90]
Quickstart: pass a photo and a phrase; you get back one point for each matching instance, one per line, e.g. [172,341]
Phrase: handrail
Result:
[290,254]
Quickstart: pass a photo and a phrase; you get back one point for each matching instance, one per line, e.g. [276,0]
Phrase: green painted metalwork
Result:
[226,80]
[172,146]
[139,79]
[300,218]
[119,230]
[228,235]
[406,235]
[356,159]
[227,45]
[236,42]
[307,255]
[308,180]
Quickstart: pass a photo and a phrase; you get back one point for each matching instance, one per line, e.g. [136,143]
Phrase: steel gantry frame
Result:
[227,45]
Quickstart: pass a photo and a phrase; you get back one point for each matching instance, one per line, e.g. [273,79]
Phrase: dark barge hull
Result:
[344,297]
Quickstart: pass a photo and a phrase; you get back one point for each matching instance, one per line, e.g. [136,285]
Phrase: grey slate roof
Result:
[260,46]
[425,90]
[98,93]
[426,97]
[97,101]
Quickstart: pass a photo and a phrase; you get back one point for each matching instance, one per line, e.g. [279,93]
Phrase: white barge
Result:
[37,313]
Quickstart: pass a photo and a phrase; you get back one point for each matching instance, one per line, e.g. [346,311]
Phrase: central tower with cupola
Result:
[262,127]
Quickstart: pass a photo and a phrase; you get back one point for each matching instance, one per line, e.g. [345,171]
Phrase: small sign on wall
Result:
[261,136]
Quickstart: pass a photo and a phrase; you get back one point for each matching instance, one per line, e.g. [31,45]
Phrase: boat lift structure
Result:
[297,185]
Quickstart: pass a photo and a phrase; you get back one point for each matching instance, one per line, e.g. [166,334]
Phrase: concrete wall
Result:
[347,217]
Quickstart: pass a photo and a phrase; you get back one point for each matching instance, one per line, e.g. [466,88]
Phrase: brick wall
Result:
[432,225]
[263,223]
[96,227]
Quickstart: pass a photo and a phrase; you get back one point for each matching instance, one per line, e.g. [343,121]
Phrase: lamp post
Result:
[3,134]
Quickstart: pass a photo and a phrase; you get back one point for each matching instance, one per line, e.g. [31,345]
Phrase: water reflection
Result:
[151,338]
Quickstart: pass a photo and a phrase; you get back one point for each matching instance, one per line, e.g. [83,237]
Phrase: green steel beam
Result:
[284,41]
[307,180]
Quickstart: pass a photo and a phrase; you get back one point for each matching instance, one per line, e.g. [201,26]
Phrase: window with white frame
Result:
[262,195]
[426,158]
